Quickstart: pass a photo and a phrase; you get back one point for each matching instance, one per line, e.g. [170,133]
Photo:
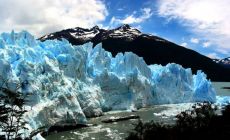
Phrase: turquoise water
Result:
[219,88]
[120,130]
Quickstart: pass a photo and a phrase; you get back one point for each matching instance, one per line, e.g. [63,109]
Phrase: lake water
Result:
[219,88]
[120,130]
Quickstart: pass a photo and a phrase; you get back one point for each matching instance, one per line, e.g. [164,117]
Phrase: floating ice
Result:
[69,83]
[222,100]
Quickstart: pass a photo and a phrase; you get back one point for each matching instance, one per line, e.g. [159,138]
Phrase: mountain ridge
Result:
[225,61]
[153,49]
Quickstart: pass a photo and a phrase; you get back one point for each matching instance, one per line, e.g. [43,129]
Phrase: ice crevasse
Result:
[70,83]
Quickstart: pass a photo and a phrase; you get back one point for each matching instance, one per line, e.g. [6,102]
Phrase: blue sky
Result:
[167,27]
[201,25]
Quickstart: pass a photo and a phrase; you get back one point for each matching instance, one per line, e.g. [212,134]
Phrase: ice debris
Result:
[70,83]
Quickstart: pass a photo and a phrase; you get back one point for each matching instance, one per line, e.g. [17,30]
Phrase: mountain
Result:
[225,62]
[153,49]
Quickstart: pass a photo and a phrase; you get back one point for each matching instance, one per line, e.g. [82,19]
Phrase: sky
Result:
[201,25]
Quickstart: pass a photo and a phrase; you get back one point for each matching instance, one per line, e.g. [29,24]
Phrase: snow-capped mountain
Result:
[69,83]
[225,61]
[153,49]
[75,35]
[80,35]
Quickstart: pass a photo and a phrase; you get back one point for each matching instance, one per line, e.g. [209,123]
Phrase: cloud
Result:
[44,16]
[194,40]
[206,44]
[184,44]
[131,19]
[209,19]
[223,51]
[138,27]
[213,56]
[120,9]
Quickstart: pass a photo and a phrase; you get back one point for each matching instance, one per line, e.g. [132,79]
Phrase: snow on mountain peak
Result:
[224,61]
[69,83]
[85,35]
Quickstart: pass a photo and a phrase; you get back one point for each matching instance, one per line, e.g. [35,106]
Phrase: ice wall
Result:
[70,83]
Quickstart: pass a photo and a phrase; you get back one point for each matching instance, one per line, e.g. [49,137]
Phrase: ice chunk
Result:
[222,100]
[203,88]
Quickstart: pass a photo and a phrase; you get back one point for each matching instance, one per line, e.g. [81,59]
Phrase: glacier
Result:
[67,83]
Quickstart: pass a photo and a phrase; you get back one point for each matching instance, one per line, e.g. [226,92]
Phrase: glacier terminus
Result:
[68,83]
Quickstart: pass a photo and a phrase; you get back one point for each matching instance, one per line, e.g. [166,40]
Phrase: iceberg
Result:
[67,83]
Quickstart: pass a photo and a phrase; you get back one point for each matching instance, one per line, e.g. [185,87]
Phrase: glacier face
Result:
[70,83]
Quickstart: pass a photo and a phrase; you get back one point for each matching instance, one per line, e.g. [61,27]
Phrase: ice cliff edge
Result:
[70,83]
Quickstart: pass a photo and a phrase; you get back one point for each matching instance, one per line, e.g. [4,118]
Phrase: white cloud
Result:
[223,51]
[213,56]
[43,16]
[120,9]
[206,44]
[184,44]
[194,40]
[138,27]
[209,19]
[131,19]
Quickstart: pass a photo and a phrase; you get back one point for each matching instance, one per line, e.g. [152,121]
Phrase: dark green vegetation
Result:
[11,113]
[201,123]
